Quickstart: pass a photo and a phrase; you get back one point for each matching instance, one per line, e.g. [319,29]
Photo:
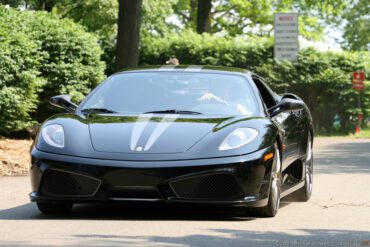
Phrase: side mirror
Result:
[286,104]
[63,101]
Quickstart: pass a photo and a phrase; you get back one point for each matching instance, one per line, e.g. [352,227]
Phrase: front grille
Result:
[61,183]
[135,192]
[214,186]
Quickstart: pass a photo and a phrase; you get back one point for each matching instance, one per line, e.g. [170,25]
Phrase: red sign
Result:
[358,80]
[359,76]
[358,86]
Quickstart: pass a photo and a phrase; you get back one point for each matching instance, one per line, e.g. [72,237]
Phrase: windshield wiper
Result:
[175,111]
[97,110]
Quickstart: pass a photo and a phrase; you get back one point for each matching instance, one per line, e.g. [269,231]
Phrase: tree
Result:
[46,5]
[154,16]
[235,17]
[357,30]
[128,36]
[204,16]
[101,17]
[186,11]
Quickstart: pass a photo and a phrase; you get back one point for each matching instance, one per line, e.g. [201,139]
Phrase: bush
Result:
[19,75]
[322,79]
[41,56]
[70,56]
[192,48]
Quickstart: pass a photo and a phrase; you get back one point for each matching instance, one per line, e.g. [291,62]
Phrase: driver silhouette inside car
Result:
[224,97]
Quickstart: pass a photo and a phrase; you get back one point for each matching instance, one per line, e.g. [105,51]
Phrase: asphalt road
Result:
[338,214]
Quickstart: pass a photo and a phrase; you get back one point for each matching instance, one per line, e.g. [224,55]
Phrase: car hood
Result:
[153,137]
[149,133]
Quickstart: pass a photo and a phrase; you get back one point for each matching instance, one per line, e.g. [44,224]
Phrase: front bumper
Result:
[238,180]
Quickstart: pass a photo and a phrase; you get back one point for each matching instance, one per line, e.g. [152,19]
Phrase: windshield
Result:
[186,92]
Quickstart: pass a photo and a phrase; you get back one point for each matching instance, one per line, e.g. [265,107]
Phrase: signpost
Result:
[358,83]
[286,36]
[358,80]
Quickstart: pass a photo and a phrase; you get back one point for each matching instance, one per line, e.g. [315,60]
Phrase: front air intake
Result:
[62,183]
[208,187]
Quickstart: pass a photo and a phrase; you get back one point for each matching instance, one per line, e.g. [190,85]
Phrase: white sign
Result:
[286,36]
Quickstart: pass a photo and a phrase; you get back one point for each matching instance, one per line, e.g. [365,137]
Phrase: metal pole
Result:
[359,100]
[359,116]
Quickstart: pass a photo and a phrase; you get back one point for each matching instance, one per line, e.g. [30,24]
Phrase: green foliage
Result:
[192,48]
[154,15]
[19,81]
[100,17]
[41,56]
[357,29]
[32,4]
[229,17]
[70,57]
[322,79]
[256,17]
[186,11]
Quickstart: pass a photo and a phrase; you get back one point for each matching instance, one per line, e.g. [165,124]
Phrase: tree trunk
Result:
[127,50]
[204,16]
[45,5]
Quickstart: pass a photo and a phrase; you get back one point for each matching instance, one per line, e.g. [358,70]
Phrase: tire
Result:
[272,207]
[304,193]
[54,208]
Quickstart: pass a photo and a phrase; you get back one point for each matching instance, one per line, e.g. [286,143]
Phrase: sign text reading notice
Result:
[286,36]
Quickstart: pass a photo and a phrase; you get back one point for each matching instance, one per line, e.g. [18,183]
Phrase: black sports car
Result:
[177,134]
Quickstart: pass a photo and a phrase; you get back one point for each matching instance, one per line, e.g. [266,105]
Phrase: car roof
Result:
[187,68]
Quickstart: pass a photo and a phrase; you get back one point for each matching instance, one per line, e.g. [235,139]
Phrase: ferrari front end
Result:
[237,180]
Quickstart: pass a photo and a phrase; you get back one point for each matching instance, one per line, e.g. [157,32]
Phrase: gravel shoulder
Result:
[14,157]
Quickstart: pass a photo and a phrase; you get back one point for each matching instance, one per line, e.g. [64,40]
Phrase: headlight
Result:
[53,135]
[238,138]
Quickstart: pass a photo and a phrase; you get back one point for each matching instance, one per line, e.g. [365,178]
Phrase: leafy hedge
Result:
[41,56]
[19,73]
[192,48]
[322,79]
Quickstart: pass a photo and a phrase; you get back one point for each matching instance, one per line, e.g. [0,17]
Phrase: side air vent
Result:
[61,183]
[211,187]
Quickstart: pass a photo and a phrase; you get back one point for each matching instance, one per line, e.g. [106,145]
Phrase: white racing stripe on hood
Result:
[167,68]
[166,122]
[141,122]
[194,68]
